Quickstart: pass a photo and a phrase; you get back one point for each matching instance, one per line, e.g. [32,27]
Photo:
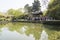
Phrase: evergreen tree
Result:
[36,5]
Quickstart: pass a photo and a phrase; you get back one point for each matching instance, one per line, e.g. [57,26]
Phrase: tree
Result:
[28,9]
[36,5]
[54,9]
[15,13]
[33,8]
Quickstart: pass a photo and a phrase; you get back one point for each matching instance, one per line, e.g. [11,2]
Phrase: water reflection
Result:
[27,31]
[9,35]
[44,35]
[29,28]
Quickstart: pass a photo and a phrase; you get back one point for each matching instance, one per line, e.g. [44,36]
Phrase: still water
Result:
[28,31]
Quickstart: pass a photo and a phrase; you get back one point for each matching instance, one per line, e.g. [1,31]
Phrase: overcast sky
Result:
[15,4]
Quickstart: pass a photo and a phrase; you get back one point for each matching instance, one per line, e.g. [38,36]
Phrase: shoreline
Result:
[42,22]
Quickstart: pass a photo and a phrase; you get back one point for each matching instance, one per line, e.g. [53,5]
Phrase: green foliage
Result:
[35,7]
[15,13]
[54,9]
[27,8]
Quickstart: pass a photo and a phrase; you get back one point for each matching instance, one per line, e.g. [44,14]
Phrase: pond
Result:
[28,31]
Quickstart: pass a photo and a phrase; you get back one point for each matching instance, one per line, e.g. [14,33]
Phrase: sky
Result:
[15,4]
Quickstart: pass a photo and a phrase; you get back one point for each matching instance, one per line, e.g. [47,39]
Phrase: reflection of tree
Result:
[15,27]
[35,30]
[1,26]
[53,31]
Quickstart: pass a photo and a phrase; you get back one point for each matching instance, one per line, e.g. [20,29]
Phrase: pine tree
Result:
[36,5]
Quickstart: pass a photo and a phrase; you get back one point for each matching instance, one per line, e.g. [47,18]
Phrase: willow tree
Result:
[15,13]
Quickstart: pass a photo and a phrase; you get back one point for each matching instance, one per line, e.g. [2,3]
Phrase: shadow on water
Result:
[53,31]
[52,27]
